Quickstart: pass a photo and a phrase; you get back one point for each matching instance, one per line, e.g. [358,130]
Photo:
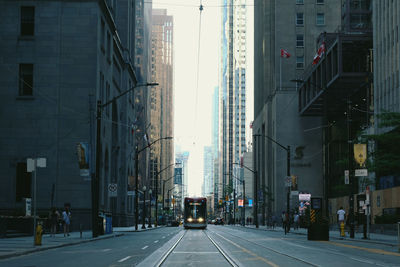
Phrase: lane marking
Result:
[124,259]
[195,252]
[145,247]
[156,241]
[363,261]
[372,250]
[106,249]
[163,237]
[249,252]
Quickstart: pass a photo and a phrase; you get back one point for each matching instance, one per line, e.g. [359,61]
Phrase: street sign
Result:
[346,177]
[112,190]
[288,181]
[361,172]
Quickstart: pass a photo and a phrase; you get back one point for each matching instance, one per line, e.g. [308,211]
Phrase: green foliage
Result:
[386,157]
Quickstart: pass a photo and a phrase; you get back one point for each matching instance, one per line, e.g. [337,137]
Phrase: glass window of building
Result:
[320,19]
[299,2]
[25,79]
[299,62]
[299,40]
[299,19]
[27,20]
[320,2]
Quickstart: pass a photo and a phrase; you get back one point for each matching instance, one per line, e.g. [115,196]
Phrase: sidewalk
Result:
[12,247]
[389,240]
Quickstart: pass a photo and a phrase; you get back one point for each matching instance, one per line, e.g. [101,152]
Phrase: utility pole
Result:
[350,167]
[95,179]
[136,188]
[288,175]
[234,206]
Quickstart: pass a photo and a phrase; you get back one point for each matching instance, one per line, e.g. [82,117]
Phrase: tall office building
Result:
[232,108]
[207,188]
[294,27]
[215,146]
[181,161]
[161,96]
[58,58]
[386,22]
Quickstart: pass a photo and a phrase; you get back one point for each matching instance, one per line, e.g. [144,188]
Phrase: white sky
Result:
[193,126]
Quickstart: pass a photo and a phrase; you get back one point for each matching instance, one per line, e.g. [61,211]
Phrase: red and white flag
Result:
[319,54]
[285,53]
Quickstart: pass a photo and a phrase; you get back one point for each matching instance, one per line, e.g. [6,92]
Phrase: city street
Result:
[216,246]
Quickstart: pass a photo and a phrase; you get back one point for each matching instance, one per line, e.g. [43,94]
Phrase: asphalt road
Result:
[126,250]
[242,246]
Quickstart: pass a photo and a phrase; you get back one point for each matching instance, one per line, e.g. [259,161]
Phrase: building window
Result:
[320,19]
[108,46]
[27,20]
[23,182]
[320,2]
[299,2]
[299,62]
[25,79]
[299,40]
[299,19]
[102,38]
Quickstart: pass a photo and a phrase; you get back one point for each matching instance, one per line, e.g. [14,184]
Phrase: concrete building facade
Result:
[232,94]
[58,58]
[161,96]
[292,26]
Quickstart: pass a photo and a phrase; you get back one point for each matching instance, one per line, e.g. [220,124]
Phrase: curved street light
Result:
[96,179]
[137,174]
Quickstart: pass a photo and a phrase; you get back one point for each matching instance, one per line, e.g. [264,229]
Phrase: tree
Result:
[386,156]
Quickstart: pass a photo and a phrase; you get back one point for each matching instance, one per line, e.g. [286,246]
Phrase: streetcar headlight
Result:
[190,220]
[201,219]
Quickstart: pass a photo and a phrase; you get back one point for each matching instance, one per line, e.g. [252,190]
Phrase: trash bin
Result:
[108,226]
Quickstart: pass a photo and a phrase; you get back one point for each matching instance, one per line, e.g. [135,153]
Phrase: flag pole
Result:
[280,72]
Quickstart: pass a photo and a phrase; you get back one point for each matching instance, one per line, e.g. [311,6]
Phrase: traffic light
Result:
[226,198]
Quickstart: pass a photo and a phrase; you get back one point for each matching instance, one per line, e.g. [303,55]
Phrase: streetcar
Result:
[195,213]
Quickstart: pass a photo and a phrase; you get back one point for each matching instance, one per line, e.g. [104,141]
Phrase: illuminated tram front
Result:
[195,213]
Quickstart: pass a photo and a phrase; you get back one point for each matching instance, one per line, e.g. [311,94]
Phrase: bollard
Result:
[342,234]
[38,235]
[80,230]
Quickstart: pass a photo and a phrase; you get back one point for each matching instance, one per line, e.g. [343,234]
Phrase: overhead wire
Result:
[198,70]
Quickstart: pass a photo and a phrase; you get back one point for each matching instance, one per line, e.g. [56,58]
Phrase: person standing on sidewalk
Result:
[341,215]
[66,220]
[54,217]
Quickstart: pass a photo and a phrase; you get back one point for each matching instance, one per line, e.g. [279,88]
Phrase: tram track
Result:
[265,247]
[230,261]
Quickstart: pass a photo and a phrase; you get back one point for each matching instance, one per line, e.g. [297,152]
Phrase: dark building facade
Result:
[58,58]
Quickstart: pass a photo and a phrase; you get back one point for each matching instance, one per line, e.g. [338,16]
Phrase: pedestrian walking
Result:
[54,217]
[274,220]
[296,220]
[66,216]
[341,215]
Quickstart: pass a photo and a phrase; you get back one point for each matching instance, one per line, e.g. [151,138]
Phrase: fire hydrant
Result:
[38,235]
[342,234]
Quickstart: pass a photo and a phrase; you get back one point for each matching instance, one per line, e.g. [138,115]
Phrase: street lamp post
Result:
[137,179]
[96,179]
[144,208]
[150,192]
[157,174]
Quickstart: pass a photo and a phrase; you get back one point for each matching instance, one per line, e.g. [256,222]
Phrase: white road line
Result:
[106,249]
[163,237]
[124,259]
[145,247]
[362,260]
[156,241]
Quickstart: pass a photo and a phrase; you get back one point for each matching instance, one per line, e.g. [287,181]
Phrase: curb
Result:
[16,254]
[332,237]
